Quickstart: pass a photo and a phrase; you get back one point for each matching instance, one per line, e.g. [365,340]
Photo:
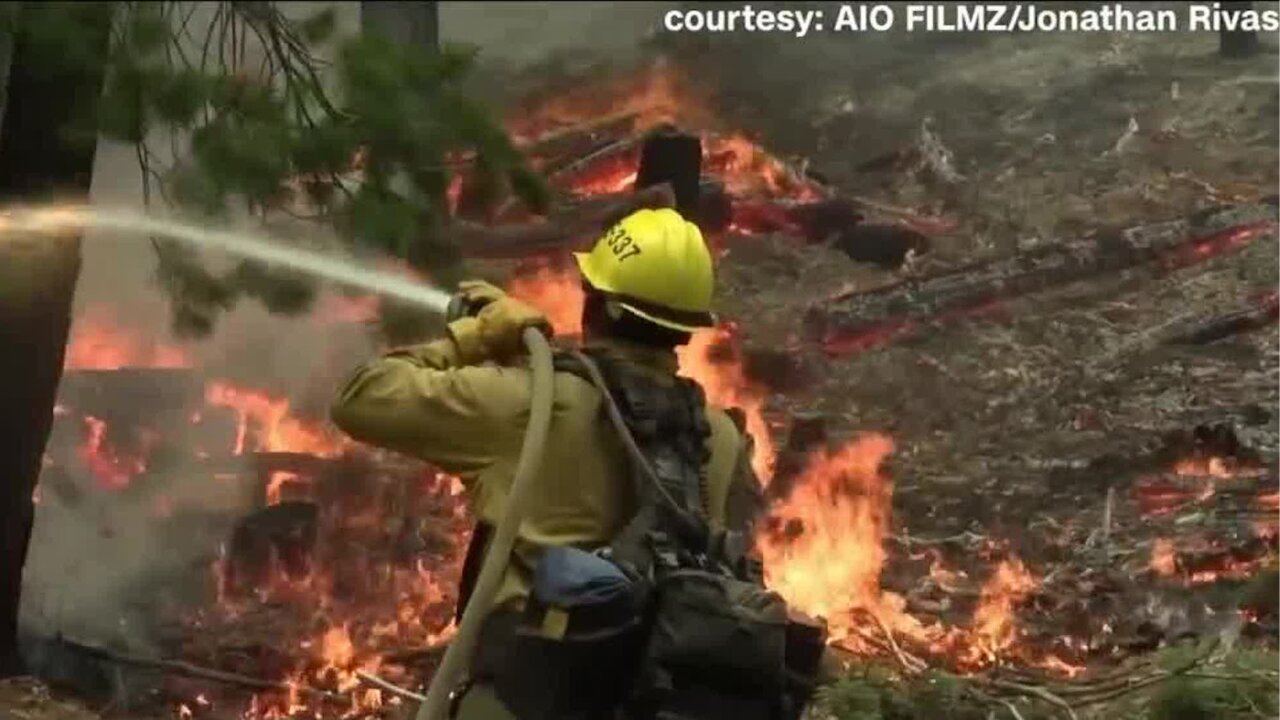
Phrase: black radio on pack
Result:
[671,156]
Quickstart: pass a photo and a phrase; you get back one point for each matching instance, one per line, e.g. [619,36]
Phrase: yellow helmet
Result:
[654,264]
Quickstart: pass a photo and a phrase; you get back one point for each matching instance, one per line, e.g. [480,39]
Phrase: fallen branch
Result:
[857,320]
[375,681]
[621,150]
[186,669]
[593,130]
[910,663]
[1258,314]
[1036,691]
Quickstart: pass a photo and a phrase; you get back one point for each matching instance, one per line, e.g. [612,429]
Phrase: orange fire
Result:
[994,626]
[823,548]
[1214,467]
[99,342]
[112,469]
[1164,561]
[557,292]
[750,171]
[658,94]
[265,422]
[726,385]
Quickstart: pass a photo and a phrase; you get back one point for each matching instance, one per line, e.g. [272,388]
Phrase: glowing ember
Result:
[1214,467]
[1164,561]
[112,470]
[748,170]
[99,342]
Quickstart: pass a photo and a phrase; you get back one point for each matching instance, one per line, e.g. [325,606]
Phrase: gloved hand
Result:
[494,333]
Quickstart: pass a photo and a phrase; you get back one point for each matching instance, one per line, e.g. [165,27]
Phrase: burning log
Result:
[285,532]
[857,320]
[580,139]
[669,156]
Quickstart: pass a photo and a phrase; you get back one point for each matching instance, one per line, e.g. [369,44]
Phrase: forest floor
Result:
[1016,427]
[1011,432]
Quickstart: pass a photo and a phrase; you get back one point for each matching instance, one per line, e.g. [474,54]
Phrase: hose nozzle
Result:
[461,306]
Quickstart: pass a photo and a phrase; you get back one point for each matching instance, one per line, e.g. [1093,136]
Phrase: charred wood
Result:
[285,532]
[808,434]
[888,246]
[1259,314]
[675,158]
[562,146]
[857,320]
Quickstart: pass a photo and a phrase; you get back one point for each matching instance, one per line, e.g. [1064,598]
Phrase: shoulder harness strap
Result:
[665,430]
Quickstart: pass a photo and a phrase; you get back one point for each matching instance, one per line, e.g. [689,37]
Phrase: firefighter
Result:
[461,403]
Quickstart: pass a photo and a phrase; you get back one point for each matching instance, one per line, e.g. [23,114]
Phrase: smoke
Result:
[104,565]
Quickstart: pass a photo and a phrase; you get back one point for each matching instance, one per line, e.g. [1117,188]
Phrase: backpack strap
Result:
[664,431]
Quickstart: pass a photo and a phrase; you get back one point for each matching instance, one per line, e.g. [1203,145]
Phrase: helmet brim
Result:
[708,319]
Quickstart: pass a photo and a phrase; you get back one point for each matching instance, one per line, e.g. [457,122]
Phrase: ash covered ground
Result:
[1012,428]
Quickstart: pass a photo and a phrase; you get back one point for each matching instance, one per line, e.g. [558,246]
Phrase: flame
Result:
[839,508]
[112,469]
[556,292]
[749,170]
[1214,467]
[994,627]
[98,342]
[1161,496]
[722,377]
[658,93]
[276,483]
[1164,561]
[273,428]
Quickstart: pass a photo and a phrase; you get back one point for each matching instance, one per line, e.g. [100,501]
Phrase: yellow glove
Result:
[495,331]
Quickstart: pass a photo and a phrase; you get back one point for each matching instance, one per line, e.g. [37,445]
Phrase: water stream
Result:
[256,246]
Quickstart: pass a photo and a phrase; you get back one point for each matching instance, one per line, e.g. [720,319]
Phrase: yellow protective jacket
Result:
[469,420]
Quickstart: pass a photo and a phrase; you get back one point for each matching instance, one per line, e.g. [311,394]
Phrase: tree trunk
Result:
[411,23]
[37,274]
[1237,43]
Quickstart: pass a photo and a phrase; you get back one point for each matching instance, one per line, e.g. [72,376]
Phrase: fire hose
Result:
[57,218]
[458,657]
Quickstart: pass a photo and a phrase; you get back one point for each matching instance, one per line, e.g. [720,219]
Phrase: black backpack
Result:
[709,641]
